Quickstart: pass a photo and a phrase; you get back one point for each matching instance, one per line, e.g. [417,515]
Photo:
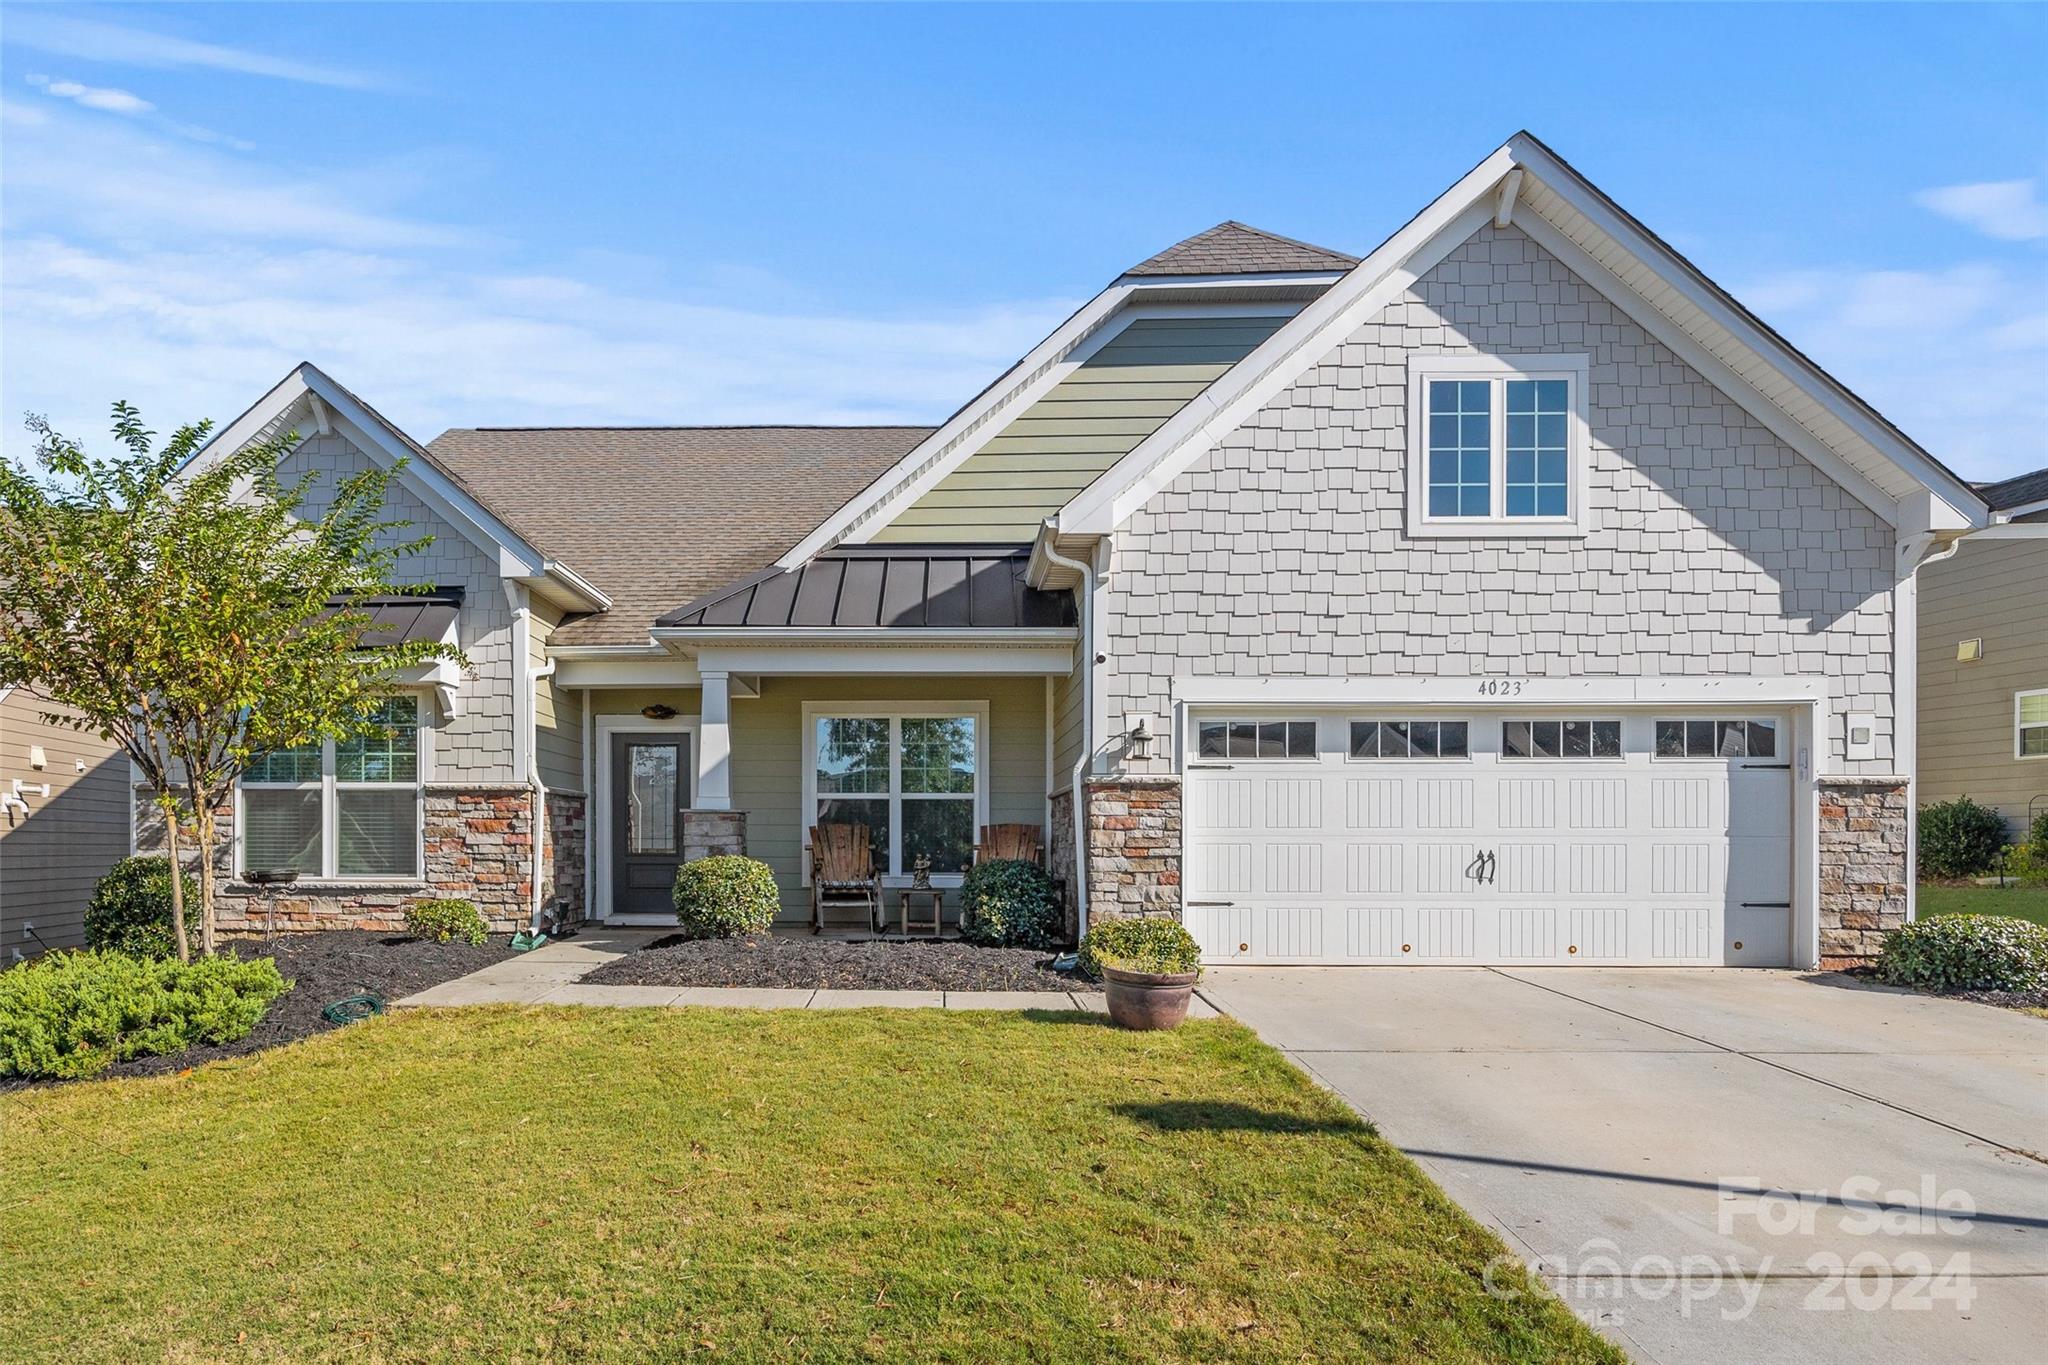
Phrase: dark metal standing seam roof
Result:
[404,619]
[907,588]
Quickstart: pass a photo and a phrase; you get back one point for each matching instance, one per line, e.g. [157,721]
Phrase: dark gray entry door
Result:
[650,787]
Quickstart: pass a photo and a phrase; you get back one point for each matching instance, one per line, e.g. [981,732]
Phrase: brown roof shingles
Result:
[1232,248]
[656,517]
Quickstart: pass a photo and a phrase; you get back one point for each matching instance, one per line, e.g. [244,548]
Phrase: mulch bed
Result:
[325,966]
[826,964]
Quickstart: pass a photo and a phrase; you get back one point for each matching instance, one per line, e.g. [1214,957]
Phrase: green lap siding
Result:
[1066,440]
[768,755]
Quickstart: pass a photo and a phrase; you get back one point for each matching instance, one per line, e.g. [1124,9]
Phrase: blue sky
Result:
[480,215]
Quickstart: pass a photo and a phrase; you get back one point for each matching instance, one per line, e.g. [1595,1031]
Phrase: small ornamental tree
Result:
[196,613]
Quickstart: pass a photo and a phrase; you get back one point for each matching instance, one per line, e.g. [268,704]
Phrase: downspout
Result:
[1087,572]
[540,791]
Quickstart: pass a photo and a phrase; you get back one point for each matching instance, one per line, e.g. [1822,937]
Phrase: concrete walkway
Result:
[554,976]
[1693,1158]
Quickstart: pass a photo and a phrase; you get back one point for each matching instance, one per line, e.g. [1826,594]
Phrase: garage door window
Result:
[1560,739]
[1717,739]
[1256,739]
[1408,739]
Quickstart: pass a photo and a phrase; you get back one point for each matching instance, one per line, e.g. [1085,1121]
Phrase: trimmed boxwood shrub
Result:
[1008,903]
[1151,944]
[725,896]
[445,919]
[130,909]
[1966,953]
[72,1014]
[1959,838]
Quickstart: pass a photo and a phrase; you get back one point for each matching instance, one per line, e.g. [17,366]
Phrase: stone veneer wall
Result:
[567,854]
[713,834]
[1133,864]
[479,846]
[1059,857]
[1865,826]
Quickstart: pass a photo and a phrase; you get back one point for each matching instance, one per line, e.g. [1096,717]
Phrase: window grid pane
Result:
[1409,739]
[1569,739]
[1460,452]
[282,831]
[389,753]
[938,755]
[853,754]
[285,765]
[1537,483]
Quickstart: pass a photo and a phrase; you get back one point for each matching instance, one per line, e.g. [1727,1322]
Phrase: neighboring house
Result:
[1508,595]
[63,824]
[1984,660]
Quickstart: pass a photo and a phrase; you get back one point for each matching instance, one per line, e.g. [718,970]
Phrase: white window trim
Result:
[329,785]
[895,712]
[602,727]
[2017,699]
[1194,738]
[1574,369]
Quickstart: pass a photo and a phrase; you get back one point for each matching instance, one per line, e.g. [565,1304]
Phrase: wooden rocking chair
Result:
[843,873]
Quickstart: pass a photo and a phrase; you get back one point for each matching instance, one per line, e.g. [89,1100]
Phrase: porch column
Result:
[714,745]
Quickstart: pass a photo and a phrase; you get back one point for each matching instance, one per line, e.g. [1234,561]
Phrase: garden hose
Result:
[350,1008]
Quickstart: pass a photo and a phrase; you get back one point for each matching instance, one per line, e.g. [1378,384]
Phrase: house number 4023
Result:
[1501,687]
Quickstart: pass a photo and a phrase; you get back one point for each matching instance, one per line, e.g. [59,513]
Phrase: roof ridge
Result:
[714,426]
[1235,247]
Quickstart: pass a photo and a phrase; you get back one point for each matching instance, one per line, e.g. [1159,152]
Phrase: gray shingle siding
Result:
[479,745]
[1714,548]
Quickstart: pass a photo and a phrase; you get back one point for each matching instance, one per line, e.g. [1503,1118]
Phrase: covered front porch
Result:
[744,737]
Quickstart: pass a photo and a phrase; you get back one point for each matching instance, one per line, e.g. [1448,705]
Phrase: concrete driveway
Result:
[1711,1165]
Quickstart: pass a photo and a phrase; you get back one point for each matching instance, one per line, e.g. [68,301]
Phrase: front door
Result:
[650,787]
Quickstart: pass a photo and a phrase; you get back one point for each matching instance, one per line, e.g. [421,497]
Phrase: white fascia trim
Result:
[1738,390]
[927,661]
[665,671]
[1044,366]
[516,558]
[1823,388]
[1376,281]
[650,650]
[2025,509]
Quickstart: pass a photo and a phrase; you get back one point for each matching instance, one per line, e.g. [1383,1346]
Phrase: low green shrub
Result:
[72,1014]
[1151,944]
[1966,953]
[130,909]
[1007,903]
[1959,838]
[446,919]
[725,897]
[2029,861]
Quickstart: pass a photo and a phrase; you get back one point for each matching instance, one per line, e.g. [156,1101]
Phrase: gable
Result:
[1112,400]
[1525,185]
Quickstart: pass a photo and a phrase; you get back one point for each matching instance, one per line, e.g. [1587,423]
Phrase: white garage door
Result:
[1489,837]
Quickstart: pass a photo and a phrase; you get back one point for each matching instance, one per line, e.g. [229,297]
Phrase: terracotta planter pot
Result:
[1148,1000]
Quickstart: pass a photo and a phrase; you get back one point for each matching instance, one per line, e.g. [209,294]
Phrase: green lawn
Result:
[2021,902]
[627,1184]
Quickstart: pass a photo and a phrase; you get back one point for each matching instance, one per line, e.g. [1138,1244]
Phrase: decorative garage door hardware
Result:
[1483,867]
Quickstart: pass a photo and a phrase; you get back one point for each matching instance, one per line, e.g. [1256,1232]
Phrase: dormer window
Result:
[1497,445]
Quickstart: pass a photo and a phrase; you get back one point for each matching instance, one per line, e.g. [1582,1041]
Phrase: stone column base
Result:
[1865,829]
[1134,846]
[714,834]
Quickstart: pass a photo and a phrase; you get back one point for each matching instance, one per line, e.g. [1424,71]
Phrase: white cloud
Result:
[103,98]
[188,282]
[94,40]
[2010,210]
[1955,356]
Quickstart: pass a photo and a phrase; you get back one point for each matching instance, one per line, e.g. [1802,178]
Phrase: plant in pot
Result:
[1148,969]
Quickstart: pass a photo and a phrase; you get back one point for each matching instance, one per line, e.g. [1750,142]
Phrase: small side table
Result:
[933,897]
